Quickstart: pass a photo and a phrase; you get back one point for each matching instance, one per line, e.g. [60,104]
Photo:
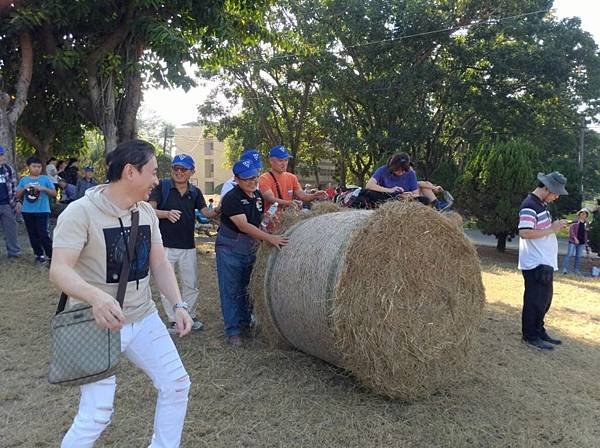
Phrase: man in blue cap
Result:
[277,185]
[86,182]
[176,201]
[8,206]
[241,215]
[250,154]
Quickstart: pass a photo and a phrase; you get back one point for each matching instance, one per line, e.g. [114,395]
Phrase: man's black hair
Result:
[134,152]
[541,184]
[33,159]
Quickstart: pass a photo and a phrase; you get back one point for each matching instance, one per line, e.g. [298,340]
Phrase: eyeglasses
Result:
[249,179]
[179,169]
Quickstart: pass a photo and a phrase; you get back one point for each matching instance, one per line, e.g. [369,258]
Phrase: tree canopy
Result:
[435,79]
[103,53]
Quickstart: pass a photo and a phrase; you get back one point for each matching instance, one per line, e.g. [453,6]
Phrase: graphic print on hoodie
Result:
[116,253]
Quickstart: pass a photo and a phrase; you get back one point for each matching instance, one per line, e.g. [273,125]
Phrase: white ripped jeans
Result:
[149,346]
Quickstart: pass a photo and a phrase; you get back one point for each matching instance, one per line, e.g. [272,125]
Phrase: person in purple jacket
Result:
[393,180]
[578,239]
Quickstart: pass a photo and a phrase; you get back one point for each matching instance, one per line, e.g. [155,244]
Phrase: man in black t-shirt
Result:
[175,201]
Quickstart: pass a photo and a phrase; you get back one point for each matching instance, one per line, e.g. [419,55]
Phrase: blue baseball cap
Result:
[279,152]
[254,156]
[2,150]
[184,160]
[245,169]
[89,168]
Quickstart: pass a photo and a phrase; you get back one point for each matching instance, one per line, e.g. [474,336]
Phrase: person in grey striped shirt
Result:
[538,257]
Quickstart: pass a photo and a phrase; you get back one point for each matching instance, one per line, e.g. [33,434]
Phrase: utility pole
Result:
[165,140]
[581,149]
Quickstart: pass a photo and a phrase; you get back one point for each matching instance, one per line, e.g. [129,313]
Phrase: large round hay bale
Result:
[392,295]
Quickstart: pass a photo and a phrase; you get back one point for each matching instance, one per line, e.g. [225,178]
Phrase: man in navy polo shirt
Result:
[175,201]
[538,256]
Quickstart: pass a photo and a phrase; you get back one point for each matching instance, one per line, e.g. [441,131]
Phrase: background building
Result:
[212,167]
[208,154]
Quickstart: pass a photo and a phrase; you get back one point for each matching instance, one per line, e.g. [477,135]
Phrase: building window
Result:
[209,168]
[209,187]
[209,148]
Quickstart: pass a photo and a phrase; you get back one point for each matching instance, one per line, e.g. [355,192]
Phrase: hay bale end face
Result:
[393,295]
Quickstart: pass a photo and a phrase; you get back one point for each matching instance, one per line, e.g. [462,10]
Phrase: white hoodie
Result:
[91,226]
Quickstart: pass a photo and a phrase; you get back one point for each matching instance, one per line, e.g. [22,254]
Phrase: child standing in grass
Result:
[34,191]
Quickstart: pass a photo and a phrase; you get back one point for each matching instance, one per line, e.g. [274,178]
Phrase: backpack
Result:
[165,189]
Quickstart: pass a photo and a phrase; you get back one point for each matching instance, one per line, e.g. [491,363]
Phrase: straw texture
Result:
[392,295]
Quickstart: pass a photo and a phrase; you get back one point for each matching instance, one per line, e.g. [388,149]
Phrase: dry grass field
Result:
[509,396]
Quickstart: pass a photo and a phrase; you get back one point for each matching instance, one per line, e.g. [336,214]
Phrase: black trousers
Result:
[536,301]
[37,230]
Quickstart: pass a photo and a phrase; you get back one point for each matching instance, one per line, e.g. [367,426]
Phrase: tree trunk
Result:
[501,244]
[43,146]
[316,171]
[9,115]
[103,103]
[109,131]
[7,130]
[130,103]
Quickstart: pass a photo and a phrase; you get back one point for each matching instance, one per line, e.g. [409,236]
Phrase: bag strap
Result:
[276,185]
[165,189]
[135,220]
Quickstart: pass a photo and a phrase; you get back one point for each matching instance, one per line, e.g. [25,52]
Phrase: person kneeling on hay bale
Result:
[397,180]
[241,213]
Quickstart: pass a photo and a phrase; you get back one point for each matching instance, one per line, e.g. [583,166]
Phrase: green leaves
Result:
[496,178]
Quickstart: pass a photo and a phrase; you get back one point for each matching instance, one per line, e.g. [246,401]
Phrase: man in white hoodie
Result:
[90,242]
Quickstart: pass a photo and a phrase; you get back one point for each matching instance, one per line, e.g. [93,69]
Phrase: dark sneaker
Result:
[539,344]
[197,325]
[441,205]
[547,338]
[446,203]
[235,341]
[40,259]
[251,329]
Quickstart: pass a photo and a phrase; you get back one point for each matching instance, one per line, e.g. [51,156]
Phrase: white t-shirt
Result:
[228,186]
[536,251]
